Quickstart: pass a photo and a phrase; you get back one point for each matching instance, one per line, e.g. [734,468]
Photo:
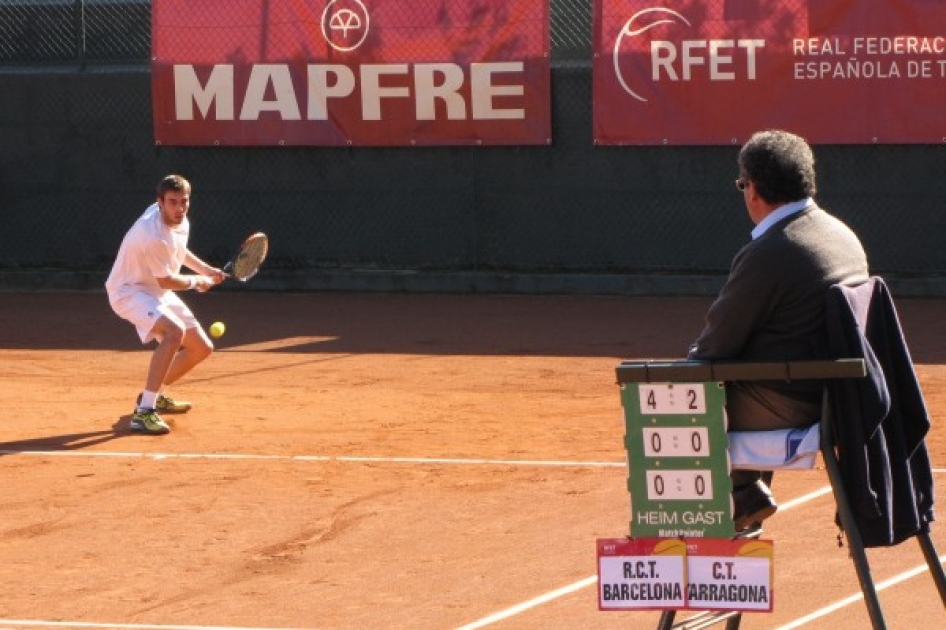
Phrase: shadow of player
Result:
[68,442]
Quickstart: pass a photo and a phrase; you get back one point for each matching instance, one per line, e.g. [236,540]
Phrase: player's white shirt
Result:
[151,249]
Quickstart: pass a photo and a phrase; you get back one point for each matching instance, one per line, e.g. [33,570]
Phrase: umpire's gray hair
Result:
[780,165]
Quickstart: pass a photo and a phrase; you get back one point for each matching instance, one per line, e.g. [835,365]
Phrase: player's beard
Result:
[171,218]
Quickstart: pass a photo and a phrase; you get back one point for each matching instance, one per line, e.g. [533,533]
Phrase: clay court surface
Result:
[373,462]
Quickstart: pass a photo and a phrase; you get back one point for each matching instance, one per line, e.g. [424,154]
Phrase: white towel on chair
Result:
[774,450]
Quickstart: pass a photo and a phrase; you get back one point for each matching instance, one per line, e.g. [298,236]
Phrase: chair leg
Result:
[666,620]
[858,554]
[701,620]
[862,567]
[932,560]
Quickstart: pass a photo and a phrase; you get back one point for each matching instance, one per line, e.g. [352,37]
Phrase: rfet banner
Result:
[714,71]
[350,72]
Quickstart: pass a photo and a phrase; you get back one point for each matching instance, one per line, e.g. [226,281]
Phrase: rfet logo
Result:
[683,58]
[345,24]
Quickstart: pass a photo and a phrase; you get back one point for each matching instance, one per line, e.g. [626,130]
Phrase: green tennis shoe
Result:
[169,405]
[148,421]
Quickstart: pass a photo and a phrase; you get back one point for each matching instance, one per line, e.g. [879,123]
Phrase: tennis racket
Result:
[248,258]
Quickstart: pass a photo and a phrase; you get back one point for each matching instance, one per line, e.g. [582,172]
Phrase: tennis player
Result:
[142,289]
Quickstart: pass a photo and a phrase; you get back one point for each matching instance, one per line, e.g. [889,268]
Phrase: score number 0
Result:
[680,485]
[676,441]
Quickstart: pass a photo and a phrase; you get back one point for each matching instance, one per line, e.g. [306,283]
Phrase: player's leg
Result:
[153,321]
[169,333]
[194,348]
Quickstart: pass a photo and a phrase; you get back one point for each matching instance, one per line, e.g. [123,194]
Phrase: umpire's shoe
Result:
[752,504]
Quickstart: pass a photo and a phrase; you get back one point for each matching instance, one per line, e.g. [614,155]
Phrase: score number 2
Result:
[673,399]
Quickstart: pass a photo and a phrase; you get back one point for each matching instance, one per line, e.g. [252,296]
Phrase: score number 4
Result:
[673,399]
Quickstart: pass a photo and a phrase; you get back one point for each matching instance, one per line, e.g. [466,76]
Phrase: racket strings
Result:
[251,256]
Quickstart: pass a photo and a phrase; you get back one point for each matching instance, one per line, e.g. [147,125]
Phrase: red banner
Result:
[350,72]
[714,71]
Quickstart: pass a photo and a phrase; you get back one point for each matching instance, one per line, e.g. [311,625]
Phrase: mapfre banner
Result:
[714,71]
[350,72]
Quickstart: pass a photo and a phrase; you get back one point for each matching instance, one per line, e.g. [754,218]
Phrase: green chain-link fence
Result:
[78,164]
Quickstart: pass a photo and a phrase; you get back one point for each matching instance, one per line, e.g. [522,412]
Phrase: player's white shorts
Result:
[143,310]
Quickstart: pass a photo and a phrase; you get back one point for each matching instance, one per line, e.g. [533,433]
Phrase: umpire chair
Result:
[872,433]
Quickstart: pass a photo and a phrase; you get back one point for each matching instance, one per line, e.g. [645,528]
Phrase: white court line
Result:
[847,601]
[324,458]
[22,623]
[532,603]
[430,461]
[805,498]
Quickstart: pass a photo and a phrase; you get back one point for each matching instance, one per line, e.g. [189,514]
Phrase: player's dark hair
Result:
[174,183]
[780,165]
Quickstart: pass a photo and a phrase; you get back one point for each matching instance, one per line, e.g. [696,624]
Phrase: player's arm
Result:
[205,278]
[184,282]
[156,257]
[216,276]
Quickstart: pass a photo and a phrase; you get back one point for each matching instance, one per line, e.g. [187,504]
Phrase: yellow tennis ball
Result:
[217,329]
